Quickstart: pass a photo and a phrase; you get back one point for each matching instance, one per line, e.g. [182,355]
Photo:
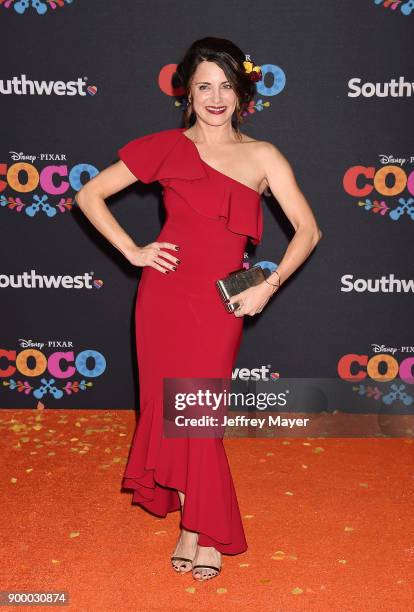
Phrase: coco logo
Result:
[89,363]
[354,367]
[390,181]
[273,75]
[60,365]
[22,177]
[41,8]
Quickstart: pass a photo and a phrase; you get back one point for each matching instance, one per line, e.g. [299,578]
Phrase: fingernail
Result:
[177,248]
[178,261]
[174,268]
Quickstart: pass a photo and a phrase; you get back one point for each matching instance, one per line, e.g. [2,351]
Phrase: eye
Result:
[202,86]
[227,86]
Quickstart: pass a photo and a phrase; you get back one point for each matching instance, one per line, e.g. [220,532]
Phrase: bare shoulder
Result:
[267,155]
[264,148]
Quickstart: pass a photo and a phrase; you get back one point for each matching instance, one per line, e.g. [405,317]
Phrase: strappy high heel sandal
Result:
[202,566]
[183,559]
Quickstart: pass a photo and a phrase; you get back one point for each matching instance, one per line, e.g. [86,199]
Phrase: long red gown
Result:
[183,330]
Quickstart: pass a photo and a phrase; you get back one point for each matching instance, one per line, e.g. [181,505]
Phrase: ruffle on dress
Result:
[197,467]
[173,160]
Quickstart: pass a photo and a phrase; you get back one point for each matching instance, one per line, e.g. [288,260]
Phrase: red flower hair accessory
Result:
[254,72]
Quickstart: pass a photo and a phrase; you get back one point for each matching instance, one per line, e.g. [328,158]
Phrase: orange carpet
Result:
[329,522]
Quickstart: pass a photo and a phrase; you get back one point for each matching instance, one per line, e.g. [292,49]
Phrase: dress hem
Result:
[204,539]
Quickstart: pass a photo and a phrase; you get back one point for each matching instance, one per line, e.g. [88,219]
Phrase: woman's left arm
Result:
[282,183]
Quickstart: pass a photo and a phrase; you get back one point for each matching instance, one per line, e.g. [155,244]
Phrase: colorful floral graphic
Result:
[47,387]
[406,207]
[40,6]
[396,392]
[405,8]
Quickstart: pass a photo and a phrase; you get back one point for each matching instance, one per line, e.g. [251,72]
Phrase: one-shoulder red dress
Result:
[183,330]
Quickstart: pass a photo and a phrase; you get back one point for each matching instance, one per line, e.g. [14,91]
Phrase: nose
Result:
[216,97]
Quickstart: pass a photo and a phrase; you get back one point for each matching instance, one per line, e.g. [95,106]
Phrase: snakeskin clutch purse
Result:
[238,281]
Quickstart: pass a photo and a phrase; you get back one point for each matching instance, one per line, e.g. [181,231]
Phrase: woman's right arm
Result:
[91,200]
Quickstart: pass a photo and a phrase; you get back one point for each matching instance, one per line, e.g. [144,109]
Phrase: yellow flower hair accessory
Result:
[253,71]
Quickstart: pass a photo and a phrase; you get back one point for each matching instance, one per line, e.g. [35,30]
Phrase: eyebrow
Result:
[208,83]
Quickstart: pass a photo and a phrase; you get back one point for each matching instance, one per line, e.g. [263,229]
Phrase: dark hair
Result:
[230,58]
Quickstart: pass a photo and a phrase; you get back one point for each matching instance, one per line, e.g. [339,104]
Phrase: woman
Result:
[212,177]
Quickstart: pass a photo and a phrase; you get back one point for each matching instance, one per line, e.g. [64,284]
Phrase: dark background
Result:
[121,48]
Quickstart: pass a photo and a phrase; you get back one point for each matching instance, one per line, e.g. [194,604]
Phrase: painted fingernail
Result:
[174,268]
[178,261]
[177,248]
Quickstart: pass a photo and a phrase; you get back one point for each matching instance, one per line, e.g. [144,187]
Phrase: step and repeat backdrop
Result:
[80,78]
